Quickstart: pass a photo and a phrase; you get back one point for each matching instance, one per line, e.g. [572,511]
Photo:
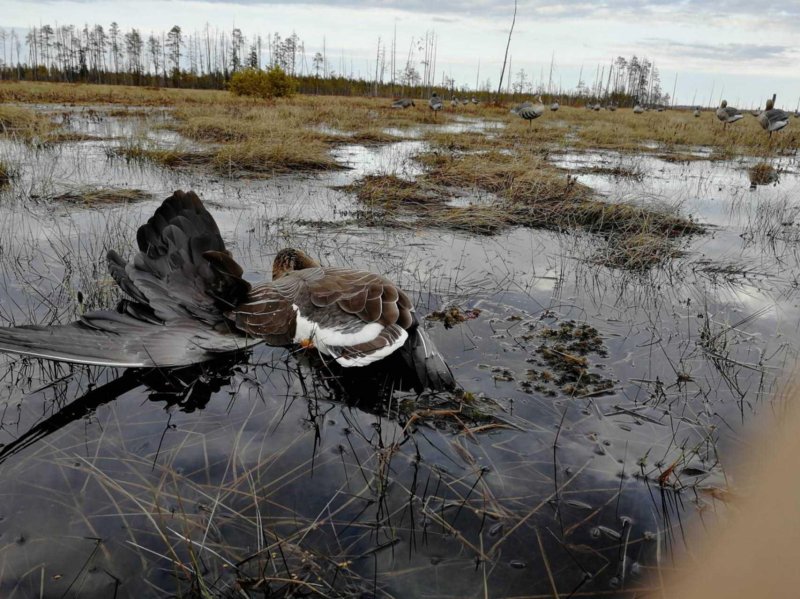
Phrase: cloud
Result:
[732,52]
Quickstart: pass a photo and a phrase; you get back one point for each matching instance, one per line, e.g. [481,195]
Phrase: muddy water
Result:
[138,484]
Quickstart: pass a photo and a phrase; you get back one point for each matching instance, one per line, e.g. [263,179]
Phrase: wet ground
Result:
[579,475]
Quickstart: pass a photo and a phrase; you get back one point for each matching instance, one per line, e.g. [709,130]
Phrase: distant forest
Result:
[207,59]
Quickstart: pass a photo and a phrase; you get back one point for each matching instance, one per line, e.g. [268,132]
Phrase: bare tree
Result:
[508,45]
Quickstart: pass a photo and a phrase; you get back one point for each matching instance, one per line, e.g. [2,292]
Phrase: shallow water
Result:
[272,466]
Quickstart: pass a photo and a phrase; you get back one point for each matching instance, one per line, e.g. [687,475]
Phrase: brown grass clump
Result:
[170,157]
[762,174]
[6,174]
[392,193]
[639,252]
[93,196]
[517,178]
[278,156]
[21,122]
[525,190]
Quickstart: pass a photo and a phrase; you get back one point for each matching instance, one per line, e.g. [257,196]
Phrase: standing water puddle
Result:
[580,473]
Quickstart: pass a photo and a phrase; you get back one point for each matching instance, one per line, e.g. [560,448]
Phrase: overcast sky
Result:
[743,49]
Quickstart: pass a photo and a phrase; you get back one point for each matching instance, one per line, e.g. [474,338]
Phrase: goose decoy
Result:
[597,107]
[638,109]
[773,119]
[435,103]
[515,110]
[464,102]
[187,303]
[531,112]
[403,103]
[554,107]
[728,114]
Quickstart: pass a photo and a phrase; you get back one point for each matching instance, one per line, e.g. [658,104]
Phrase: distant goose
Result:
[187,303]
[696,112]
[531,112]
[597,107]
[728,114]
[464,102]
[756,113]
[403,103]
[474,100]
[773,119]
[638,109]
[454,102]
[435,103]
[554,106]
[612,107]
[660,109]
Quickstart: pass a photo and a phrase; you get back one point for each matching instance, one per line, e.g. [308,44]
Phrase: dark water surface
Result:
[155,484]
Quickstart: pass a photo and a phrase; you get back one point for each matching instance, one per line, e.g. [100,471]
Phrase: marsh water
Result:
[151,484]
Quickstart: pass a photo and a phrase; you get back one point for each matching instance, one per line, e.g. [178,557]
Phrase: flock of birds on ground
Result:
[771,119]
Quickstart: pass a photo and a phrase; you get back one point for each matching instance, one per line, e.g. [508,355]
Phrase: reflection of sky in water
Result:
[274,446]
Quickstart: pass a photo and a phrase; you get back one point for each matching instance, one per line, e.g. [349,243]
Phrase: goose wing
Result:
[357,317]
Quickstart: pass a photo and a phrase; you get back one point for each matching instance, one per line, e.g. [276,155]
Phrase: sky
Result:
[705,49]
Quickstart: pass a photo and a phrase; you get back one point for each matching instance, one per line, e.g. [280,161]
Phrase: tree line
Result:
[208,58]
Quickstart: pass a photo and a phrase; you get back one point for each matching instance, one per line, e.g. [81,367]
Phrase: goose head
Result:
[291,259]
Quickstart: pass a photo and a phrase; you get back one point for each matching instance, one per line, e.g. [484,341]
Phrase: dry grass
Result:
[94,196]
[7,173]
[762,174]
[520,189]
[22,123]
[170,157]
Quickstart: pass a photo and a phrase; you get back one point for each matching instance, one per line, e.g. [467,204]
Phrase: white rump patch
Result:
[324,338]
[376,355]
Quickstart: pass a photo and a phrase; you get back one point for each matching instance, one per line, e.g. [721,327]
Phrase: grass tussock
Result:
[22,122]
[278,156]
[762,174]
[101,196]
[169,157]
[521,190]
[7,173]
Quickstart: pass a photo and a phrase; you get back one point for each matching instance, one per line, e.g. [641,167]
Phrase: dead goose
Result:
[187,303]
[773,119]
[728,114]
[403,103]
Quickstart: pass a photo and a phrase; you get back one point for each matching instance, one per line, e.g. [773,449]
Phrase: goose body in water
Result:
[773,119]
[187,303]
[728,114]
